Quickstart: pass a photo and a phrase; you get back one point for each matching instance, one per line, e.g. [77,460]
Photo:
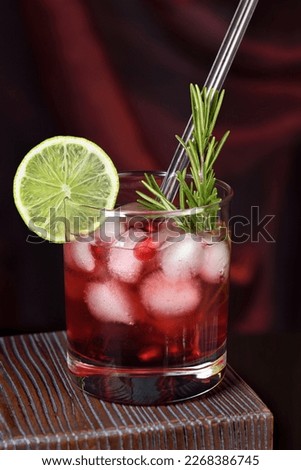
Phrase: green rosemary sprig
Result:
[197,186]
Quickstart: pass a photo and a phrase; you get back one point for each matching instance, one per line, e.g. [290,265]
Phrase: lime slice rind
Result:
[57,184]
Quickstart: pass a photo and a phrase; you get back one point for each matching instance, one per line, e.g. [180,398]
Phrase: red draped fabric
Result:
[118,72]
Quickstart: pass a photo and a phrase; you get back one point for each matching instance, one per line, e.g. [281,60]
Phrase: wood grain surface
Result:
[41,409]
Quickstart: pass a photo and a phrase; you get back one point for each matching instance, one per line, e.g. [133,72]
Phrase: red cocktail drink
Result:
[147,305]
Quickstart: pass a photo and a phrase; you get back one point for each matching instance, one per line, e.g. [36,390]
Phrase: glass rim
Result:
[168,213]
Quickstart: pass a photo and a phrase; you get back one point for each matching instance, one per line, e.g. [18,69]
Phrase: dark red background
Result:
[118,73]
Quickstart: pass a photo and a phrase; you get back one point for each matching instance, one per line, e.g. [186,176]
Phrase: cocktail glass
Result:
[147,300]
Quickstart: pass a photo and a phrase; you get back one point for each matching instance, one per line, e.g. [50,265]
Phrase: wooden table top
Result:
[41,409]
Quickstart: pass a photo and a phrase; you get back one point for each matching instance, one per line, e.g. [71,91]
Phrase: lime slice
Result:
[61,184]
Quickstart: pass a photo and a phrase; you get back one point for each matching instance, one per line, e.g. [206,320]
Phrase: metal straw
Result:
[215,79]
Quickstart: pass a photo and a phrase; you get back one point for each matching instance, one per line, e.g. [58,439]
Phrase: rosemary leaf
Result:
[197,188]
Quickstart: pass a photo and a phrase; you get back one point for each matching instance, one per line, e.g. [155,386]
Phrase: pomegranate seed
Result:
[149,353]
[98,251]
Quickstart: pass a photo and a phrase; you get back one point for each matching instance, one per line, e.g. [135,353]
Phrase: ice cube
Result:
[123,265]
[109,301]
[182,258]
[168,234]
[122,262]
[215,266]
[78,256]
[167,297]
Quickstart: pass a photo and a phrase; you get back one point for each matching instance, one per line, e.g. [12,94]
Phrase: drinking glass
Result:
[147,300]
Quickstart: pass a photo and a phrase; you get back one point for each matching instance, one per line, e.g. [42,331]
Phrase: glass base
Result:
[146,386]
